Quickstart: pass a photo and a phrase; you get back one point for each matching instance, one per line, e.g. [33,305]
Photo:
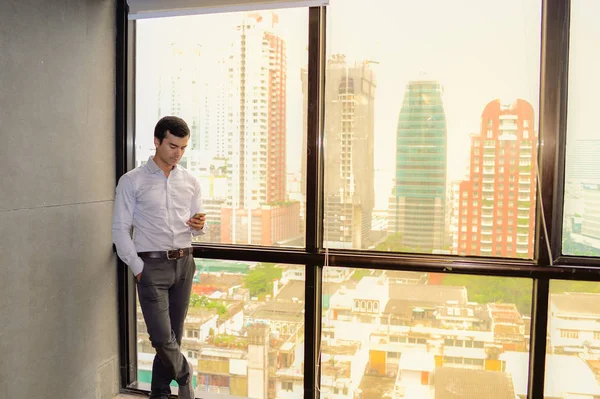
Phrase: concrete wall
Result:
[58,308]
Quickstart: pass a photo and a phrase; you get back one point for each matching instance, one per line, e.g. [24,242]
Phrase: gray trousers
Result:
[164,294]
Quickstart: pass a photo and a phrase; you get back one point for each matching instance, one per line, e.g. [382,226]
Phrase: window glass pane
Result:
[422,106]
[235,79]
[573,339]
[431,333]
[581,235]
[244,332]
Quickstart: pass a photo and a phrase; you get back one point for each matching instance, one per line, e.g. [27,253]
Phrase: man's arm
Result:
[197,225]
[122,222]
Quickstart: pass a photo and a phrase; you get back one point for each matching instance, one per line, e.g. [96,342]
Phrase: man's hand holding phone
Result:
[196,222]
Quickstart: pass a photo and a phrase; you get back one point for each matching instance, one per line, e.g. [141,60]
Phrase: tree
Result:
[260,279]
[393,242]
[488,289]
[194,300]
[562,286]
[359,274]
[203,301]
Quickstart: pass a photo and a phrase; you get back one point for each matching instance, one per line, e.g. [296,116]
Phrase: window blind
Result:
[141,9]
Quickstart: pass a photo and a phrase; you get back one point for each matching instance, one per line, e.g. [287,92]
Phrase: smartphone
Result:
[198,214]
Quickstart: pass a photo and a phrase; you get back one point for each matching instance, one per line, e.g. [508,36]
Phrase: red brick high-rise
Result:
[256,126]
[497,203]
[276,140]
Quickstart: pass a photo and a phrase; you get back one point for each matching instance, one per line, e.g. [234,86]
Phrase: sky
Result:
[478,50]
[466,45]
[584,64]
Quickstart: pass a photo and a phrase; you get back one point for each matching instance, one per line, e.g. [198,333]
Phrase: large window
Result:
[235,79]
[417,335]
[431,111]
[581,227]
[380,185]
[244,332]
[231,77]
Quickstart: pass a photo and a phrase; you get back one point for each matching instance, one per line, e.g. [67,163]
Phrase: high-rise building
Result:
[497,203]
[349,147]
[255,125]
[417,205]
[452,215]
[583,162]
[583,237]
[582,168]
[257,119]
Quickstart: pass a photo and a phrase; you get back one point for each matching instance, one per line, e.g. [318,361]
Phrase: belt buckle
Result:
[179,254]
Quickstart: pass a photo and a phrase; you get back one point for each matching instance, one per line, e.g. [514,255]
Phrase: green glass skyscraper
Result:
[416,207]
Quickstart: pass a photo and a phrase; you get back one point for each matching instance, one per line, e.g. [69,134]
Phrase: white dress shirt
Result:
[157,208]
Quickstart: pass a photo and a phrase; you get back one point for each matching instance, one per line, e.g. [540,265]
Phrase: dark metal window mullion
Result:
[312,330]
[124,147]
[563,22]
[537,339]
[553,98]
[314,200]
[314,115]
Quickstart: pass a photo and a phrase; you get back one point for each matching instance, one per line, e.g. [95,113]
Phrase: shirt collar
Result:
[153,167]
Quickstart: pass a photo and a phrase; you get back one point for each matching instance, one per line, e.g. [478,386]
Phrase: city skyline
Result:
[462,75]
[397,331]
[445,50]
[455,72]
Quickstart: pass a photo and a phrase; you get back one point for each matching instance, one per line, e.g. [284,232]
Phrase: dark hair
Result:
[172,124]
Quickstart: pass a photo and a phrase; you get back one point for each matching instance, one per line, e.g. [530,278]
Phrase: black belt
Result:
[169,255]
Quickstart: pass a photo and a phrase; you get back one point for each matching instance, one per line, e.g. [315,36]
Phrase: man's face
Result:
[171,149]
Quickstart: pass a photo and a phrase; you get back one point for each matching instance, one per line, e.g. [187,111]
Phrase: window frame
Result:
[548,262]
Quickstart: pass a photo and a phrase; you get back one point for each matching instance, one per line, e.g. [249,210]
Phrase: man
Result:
[162,202]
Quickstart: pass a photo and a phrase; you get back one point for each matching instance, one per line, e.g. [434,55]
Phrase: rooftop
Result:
[439,294]
[454,383]
[280,311]
[454,311]
[404,307]
[340,348]
[220,280]
[370,286]
[404,275]
[564,374]
[199,314]
[337,369]
[216,352]
[582,304]
[293,289]
[478,313]
[376,387]
[505,313]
